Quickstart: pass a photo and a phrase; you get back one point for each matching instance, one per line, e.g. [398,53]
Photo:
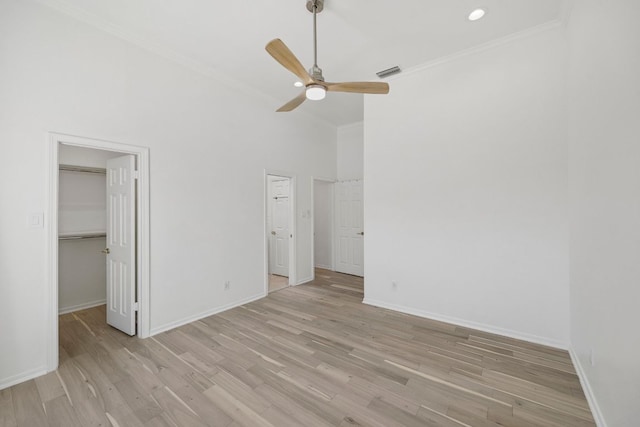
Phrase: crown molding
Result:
[171,55]
[493,44]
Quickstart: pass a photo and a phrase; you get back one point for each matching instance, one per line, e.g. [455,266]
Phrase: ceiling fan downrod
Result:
[315,7]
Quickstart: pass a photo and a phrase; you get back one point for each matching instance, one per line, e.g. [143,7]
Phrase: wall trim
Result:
[203,314]
[510,38]
[324,267]
[22,377]
[469,324]
[305,280]
[77,307]
[145,43]
[588,391]
[169,54]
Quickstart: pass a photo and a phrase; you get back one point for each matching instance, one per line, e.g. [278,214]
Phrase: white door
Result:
[121,244]
[349,228]
[279,233]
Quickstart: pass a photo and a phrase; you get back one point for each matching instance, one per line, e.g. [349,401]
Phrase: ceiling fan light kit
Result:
[315,86]
[315,92]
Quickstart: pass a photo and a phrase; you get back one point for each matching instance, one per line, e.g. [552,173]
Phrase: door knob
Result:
[273,232]
[361,233]
[106,251]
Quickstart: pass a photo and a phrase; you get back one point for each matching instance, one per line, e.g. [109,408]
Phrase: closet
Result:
[81,237]
[82,227]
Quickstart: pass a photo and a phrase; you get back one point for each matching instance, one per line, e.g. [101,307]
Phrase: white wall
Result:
[350,151]
[604,153]
[323,224]
[209,147]
[466,191]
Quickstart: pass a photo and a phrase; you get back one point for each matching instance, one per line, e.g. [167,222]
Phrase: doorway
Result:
[279,226]
[81,233]
[126,178]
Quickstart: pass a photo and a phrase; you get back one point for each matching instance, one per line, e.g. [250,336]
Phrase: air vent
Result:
[388,72]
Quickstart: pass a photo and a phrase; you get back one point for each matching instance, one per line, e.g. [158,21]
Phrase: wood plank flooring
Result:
[277,282]
[311,355]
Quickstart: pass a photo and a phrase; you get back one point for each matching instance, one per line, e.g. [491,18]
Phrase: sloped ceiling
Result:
[356,38]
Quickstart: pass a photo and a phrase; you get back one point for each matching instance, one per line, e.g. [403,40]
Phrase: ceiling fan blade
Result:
[284,56]
[294,103]
[358,87]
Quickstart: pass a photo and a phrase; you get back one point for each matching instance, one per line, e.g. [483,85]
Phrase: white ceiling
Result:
[356,38]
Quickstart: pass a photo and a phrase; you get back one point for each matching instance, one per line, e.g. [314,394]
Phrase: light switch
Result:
[35,220]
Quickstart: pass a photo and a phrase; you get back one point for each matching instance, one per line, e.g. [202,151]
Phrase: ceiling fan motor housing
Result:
[316,73]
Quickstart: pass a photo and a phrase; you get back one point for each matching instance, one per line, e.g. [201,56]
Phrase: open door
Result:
[121,244]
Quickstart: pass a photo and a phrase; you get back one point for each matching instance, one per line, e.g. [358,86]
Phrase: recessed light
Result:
[476,14]
[298,84]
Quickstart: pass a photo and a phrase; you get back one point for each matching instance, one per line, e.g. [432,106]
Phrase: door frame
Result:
[54,140]
[331,224]
[293,230]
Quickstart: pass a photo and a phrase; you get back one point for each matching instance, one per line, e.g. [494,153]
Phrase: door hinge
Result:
[136,306]
[136,175]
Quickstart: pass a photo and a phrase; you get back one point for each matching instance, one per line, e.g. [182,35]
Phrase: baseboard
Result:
[303,281]
[20,378]
[65,310]
[469,324]
[189,319]
[324,267]
[588,391]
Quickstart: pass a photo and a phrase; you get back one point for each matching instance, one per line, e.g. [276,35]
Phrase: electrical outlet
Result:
[227,285]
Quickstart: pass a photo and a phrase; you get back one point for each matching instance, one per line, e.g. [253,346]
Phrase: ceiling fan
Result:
[315,86]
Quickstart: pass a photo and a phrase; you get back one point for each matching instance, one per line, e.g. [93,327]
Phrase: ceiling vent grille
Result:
[388,72]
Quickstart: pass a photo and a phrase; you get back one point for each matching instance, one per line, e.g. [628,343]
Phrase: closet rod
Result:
[87,169]
[82,236]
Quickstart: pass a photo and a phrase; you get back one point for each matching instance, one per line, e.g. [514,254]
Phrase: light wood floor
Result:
[277,282]
[310,355]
